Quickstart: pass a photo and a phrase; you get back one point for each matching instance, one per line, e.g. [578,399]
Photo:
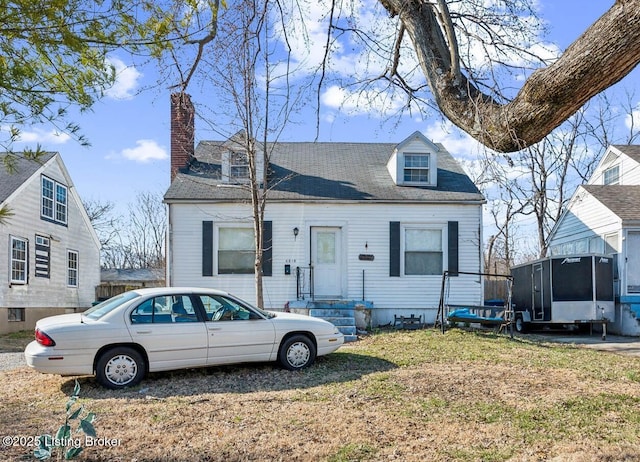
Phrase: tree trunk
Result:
[605,53]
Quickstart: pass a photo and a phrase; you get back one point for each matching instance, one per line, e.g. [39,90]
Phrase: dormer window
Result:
[611,175]
[414,162]
[416,168]
[238,166]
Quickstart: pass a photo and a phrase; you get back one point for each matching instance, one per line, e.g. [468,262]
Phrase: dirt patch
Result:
[410,396]
[15,342]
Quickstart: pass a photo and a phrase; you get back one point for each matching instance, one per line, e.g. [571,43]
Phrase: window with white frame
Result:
[54,201]
[72,268]
[238,166]
[416,168]
[18,260]
[236,250]
[611,175]
[423,253]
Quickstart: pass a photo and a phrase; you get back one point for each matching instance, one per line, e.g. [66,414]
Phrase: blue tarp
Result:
[465,315]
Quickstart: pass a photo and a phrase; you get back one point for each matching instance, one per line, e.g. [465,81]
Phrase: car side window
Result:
[164,310]
[182,309]
[219,308]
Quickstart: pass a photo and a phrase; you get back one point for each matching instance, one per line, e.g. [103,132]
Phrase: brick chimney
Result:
[182,131]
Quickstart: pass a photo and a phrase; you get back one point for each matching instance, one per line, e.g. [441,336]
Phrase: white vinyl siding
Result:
[364,230]
[43,296]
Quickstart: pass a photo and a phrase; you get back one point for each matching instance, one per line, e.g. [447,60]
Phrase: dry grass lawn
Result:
[407,396]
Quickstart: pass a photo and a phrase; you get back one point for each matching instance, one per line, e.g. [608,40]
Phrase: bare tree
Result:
[250,70]
[599,58]
[104,221]
[537,183]
[132,241]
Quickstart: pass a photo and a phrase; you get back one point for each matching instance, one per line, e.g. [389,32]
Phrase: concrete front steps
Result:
[341,313]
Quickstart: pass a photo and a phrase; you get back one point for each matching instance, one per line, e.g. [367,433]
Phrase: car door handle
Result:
[213,328]
[143,332]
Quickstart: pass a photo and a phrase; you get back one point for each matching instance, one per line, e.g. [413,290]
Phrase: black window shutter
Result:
[207,248]
[453,248]
[267,248]
[394,248]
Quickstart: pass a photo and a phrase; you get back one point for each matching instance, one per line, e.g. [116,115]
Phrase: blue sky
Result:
[129,129]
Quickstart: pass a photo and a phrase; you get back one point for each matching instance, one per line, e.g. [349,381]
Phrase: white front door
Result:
[633,262]
[326,258]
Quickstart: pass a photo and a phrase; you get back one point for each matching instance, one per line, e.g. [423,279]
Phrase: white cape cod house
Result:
[374,224]
[603,216]
[50,253]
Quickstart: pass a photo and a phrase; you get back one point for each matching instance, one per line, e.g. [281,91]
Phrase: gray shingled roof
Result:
[623,200]
[22,170]
[132,275]
[631,150]
[302,171]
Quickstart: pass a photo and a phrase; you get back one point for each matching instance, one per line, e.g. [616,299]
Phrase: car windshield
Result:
[107,306]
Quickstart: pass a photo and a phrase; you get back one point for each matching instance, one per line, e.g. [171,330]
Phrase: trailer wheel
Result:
[521,326]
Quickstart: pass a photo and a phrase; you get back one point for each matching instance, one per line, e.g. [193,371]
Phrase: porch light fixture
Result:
[295,233]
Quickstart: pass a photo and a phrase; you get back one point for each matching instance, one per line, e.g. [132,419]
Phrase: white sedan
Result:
[159,329]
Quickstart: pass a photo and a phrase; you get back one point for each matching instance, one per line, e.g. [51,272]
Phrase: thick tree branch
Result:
[599,58]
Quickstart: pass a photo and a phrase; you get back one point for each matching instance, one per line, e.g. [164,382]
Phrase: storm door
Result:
[326,258]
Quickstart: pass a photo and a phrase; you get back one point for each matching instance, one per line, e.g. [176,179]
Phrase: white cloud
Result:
[145,151]
[126,83]
[458,143]
[41,136]
[632,121]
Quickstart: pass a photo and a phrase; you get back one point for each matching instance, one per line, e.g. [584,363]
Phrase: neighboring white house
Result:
[603,216]
[378,222]
[50,254]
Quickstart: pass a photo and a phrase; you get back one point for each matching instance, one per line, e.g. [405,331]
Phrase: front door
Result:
[326,259]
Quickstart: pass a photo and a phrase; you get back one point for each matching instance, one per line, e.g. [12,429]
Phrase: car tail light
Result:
[43,339]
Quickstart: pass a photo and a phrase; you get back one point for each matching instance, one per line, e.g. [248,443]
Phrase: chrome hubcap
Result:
[121,369]
[298,354]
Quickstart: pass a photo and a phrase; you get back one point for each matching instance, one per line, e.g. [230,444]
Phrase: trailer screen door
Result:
[538,293]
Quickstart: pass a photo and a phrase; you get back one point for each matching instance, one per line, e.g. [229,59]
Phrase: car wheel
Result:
[120,367]
[521,326]
[297,352]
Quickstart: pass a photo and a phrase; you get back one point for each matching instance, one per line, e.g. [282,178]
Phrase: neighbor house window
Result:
[18,261]
[43,256]
[423,251]
[416,168]
[612,175]
[15,314]
[54,201]
[236,251]
[72,268]
[238,166]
